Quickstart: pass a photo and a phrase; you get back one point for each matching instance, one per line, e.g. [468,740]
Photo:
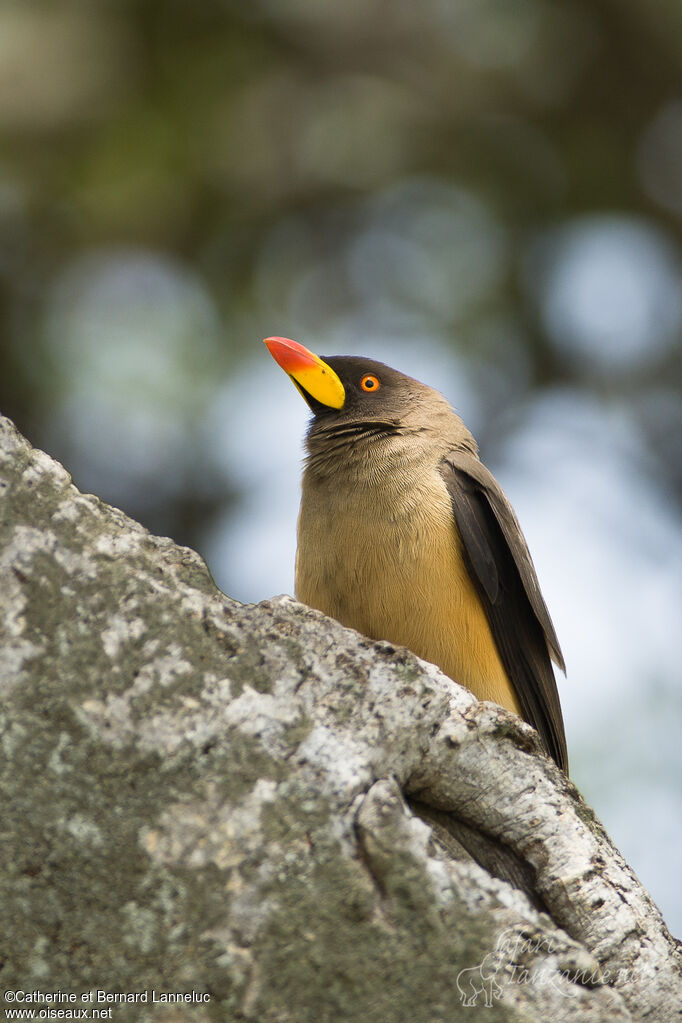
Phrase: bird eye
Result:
[370,383]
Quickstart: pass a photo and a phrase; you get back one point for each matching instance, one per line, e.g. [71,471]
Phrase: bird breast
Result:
[386,559]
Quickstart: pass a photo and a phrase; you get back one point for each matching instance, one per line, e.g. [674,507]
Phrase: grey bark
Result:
[254,804]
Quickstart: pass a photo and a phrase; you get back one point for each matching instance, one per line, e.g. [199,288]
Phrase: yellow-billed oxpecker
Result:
[404,535]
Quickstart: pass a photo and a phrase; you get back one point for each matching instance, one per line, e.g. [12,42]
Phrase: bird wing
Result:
[502,571]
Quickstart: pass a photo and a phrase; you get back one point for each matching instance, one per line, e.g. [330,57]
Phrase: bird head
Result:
[349,390]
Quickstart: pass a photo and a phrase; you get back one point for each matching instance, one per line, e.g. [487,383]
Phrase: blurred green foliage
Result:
[195,130]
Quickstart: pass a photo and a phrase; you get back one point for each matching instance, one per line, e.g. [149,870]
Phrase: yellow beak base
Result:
[308,371]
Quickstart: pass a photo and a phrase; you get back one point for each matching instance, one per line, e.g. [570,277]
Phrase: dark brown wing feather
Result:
[501,568]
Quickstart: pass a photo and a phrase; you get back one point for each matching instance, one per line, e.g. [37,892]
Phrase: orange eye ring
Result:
[370,383]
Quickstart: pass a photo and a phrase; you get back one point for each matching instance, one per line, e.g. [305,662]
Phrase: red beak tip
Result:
[288,354]
[279,340]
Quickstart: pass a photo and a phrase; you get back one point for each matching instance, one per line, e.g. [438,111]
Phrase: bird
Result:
[404,535]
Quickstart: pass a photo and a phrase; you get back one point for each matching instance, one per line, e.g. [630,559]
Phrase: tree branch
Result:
[203,796]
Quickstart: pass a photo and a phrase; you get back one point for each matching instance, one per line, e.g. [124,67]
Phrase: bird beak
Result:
[313,377]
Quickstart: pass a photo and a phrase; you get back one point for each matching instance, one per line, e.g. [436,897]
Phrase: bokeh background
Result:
[485,194]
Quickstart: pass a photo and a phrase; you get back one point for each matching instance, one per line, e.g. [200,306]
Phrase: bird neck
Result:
[358,454]
[377,452]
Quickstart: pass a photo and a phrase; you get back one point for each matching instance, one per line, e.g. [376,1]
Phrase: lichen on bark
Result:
[206,796]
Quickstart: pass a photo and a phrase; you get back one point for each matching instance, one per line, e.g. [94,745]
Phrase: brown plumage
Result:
[404,535]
